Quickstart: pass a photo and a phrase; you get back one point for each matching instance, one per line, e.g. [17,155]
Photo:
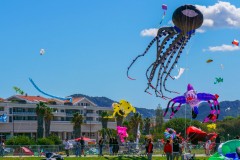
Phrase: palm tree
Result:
[77,121]
[40,111]
[47,118]
[119,118]
[104,119]
[134,121]
[147,123]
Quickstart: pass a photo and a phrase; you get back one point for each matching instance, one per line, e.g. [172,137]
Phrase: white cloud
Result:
[221,14]
[200,30]
[152,32]
[223,48]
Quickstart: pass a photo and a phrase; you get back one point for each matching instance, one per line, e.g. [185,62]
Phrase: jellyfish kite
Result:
[170,44]
[192,98]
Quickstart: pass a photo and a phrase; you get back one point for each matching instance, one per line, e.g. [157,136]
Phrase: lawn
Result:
[95,158]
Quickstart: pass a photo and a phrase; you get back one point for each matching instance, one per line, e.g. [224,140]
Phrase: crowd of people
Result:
[172,148]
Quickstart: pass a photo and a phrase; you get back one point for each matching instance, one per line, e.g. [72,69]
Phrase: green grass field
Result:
[94,158]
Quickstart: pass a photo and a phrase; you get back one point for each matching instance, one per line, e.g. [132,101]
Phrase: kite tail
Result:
[70,99]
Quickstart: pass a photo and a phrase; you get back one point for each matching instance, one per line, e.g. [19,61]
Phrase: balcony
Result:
[92,122]
[59,114]
[24,113]
[92,115]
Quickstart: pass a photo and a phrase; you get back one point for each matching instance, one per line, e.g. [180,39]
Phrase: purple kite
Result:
[192,98]
[164,7]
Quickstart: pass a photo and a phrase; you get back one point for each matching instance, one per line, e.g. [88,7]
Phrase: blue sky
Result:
[89,45]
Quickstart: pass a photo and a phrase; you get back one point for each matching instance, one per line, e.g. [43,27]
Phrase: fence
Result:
[125,149]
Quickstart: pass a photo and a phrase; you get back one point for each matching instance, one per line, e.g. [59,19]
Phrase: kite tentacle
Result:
[175,62]
[162,66]
[159,35]
[155,64]
[166,54]
[180,99]
[215,108]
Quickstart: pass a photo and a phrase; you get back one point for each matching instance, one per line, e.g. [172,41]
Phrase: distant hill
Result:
[204,108]
[106,102]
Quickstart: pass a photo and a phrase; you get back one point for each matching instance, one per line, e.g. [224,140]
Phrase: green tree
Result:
[55,139]
[119,118]
[20,140]
[181,124]
[104,119]
[135,120]
[147,124]
[48,116]
[40,111]
[45,141]
[77,121]
[159,119]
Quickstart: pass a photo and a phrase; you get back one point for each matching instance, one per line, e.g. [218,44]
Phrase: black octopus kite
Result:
[186,19]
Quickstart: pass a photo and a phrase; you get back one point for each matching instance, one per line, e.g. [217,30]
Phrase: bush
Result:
[56,140]
[45,141]
[20,140]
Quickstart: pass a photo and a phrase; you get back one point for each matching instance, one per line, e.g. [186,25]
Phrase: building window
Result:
[1,108]
[10,119]
[62,119]
[10,110]
[69,118]
[89,111]
[89,118]
[31,110]
[62,110]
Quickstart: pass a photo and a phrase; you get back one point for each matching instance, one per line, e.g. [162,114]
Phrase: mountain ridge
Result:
[228,108]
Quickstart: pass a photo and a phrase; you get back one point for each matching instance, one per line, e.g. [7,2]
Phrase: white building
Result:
[22,116]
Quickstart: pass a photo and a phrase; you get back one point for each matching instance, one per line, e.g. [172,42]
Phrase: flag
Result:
[3,118]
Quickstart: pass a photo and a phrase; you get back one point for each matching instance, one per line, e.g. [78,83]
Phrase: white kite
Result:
[228,109]
[42,51]
[180,72]
[222,66]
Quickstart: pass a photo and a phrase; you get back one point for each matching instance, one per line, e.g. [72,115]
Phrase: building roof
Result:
[1,99]
[29,99]
[80,99]
[77,99]
[36,99]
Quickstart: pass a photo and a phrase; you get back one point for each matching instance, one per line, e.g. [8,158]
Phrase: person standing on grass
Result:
[100,144]
[2,147]
[176,149]
[150,149]
[110,146]
[168,150]
[67,147]
[82,142]
[78,146]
